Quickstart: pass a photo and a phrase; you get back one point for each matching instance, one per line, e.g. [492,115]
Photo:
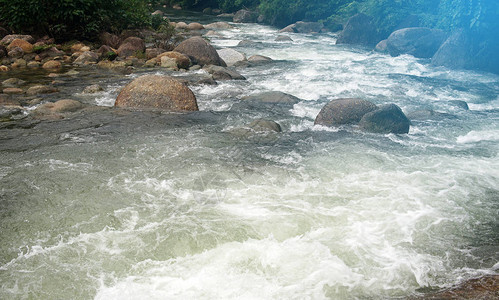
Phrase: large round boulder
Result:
[131,46]
[200,51]
[419,42]
[386,119]
[26,46]
[344,111]
[157,92]
[245,16]
[359,30]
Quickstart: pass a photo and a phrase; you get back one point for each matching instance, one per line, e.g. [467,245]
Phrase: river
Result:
[178,207]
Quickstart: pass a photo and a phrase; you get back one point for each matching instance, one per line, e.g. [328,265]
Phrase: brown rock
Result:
[9,38]
[182,60]
[153,52]
[157,92]
[200,52]
[41,89]
[19,63]
[344,111]
[12,91]
[94,88]
[195,26]
[131,46]
[219,25]
[77,47]
[33,64]
[86,58]
[181,25]
[110,40]
[52,52]
[483,288]
[26,46]
[6,100]
[4,68]
[52,64]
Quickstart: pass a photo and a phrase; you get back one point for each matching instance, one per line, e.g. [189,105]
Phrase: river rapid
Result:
[155,206]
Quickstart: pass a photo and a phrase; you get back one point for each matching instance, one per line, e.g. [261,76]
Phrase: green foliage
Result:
[64,19]
[41,48]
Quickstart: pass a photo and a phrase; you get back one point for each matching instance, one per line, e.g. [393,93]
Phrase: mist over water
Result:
[192,211]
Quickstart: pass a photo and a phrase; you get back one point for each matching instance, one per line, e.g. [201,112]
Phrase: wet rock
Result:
[12,91]
[157,92]
[245,16]
[231,56]
[106,52]
[273,97]
[483,288]
[459,104]
[221,73]
[303,27]
[77,47]
[26,46]
[181,60]
[86,58]
[259,58]
[51,52]
[248,43]
[199,51]
[386,119]
[52,64]
[13,82]
[168,62]
[9,38]
[19,63]
[283,38]
[92,89]
[219,25]
[7,100]
[359,30]
[262,125]
[344,111]
[195,26]
[381,47]
[57,110]
[33,65]
[10,113]
[41,89]
[131,47]
[16,52]
[419,42]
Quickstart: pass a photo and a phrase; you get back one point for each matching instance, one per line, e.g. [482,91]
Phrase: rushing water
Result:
[191,211]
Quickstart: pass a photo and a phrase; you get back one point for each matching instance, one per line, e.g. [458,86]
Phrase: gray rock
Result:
[245,16]
[283,38]
[259,58]
[221,73]
[386,119]
[344,111]
[219,25]
[9,38]
[231,56]
[262,125]
[273,97]
[87,57]
[359,30]
[420,42]
[459,104]
[13,82]
[381,47]
[455,52]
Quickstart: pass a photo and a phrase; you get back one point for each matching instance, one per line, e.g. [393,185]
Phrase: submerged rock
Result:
[221,73]
[359,30]
[483,288]
[199,51]
[344,111]
[263,125]
[92,89]
[157,92]
[283,38]
[386,119]
[419,42]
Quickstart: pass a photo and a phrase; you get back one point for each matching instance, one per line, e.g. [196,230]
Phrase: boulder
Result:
[55,110]
[12,91]
[41,89]
[231,56]
[456,52]
[182,60]
[9,38]
[77,47]
[359,30]
[52,64]
[33,64]
[157,92]
[420,42]
[157,13]
[131,47]
[181,25]
[195,26]
[16,52]
[13,82]
[4,68]
[110,40]
[344,111]
[153,52]
[106,52]
[219,25]
[283,38]
[259,58]
[221,73]
[19,63]
[381,47]
[199,51]
[87,57]
[51,52]
[168,62]
[92,89]
[262,125]
[386,119]
[273,97]
[307,27]
[26,46]
[245,16]
[289,28]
